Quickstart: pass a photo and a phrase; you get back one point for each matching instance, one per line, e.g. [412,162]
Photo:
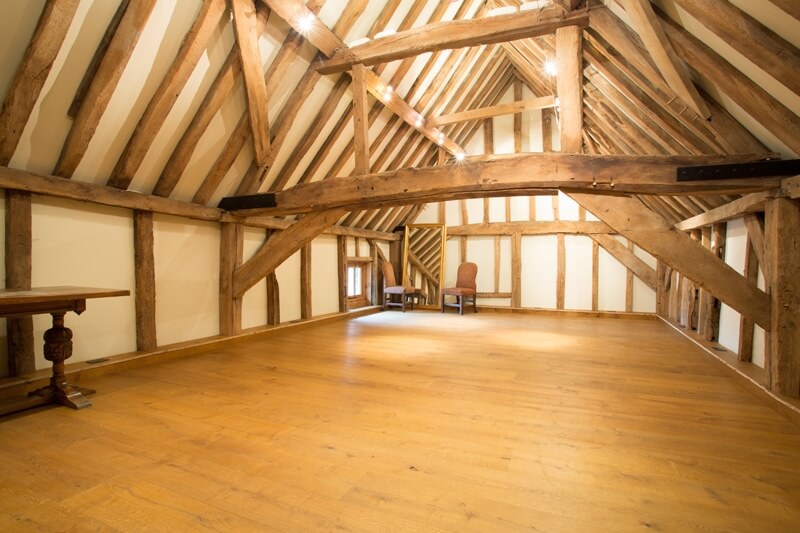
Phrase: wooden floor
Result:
[413,422]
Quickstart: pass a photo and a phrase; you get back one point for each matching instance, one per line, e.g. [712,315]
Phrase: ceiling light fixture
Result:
[460,156]
[419,122]
[387,93]
[306,22]
[550,67]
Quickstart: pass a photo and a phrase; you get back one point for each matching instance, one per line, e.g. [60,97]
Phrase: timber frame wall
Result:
[629,84]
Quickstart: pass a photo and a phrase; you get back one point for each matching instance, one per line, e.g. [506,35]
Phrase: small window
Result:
[358,283]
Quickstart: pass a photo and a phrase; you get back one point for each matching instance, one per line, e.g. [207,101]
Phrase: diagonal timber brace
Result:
[280,246]
[632,219]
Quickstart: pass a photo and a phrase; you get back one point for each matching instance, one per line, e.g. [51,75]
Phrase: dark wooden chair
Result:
[391,288]
[465,288]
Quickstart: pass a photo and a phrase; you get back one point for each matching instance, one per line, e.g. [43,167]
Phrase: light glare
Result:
[550,68]
[305,23]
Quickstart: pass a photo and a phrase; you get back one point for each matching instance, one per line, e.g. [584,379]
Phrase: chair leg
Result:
[460,305]
[475,303]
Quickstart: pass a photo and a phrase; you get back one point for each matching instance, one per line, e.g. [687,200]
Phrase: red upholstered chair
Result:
[390,288]
[465,288]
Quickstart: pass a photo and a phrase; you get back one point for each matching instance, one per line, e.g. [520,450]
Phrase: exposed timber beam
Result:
[753,99]
[752,203]
[750,38]
[102,86]
[495,110]
[652,233]
[569,83]
[280,246]
[295,13]
[21,180]
[647,25]
[629,260]
[790,187]
[453,34]
[194,44]
[32,73]
[512,175]
[539,227]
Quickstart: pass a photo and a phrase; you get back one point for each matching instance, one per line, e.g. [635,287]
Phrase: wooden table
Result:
[56,301]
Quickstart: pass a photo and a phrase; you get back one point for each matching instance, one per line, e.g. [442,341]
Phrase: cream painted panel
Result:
[644,298]
[578,273]
[497,210]
[452,213]
[611,280]
[451,261]
[504,132]
[254,301]
[567,207]
[324,276]
[759,347]
[86,245]
[187,279]
[288,274]
[428,215]
[539,255]
[474,210]
[505,265]
[475,144]
[535,141]
[520,208]
[480,250]
[735,247]
[544,208]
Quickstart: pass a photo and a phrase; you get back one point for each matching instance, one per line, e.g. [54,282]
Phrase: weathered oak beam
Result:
[145,282]
[102,86]
[783,260]
[512,175]
[569,83]
[152,119]
[519,106]
[230,257]
[656,236]
[293,12]
[539,227]
[360,120]
[18,269]
[629,260]
[752,203]
[750,38]
[452,34]
[281,246]
[32,73]
[676,74]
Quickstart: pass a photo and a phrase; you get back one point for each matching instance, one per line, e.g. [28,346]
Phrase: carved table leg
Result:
[58,348]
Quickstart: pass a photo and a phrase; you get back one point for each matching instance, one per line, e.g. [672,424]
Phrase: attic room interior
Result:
[269,205]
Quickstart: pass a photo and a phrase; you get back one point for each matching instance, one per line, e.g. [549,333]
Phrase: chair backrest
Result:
[388,275]
[467,272]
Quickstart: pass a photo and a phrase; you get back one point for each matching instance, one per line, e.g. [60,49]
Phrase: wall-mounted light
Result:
[387,93]
[460,156]
[550,67]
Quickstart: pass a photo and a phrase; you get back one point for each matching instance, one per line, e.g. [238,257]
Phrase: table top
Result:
[56,294]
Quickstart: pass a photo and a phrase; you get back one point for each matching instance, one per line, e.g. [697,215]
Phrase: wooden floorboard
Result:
[413,421]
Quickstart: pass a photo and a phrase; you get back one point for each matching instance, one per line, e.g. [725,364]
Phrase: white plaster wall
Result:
[539,255]
[324,275]
[85,245]
[254,301]
[735,242]
[644,298]
[611,281]
[578,272]
[288,274]
[187,278]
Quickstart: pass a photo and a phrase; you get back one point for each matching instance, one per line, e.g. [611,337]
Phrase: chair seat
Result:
[398,289]
[458,291]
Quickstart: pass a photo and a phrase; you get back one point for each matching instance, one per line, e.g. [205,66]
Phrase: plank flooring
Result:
[413,422]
